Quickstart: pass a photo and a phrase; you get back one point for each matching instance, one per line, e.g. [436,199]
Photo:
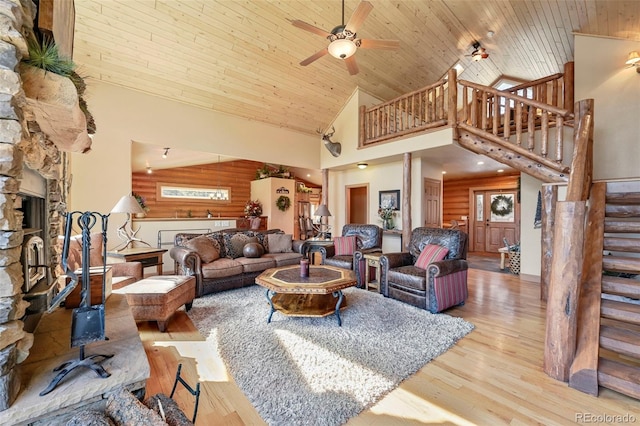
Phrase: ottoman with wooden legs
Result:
[158,298]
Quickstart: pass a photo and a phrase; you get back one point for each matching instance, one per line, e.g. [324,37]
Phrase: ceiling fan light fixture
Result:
[342,48]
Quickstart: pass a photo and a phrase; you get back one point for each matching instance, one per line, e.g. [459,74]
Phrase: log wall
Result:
[455,193]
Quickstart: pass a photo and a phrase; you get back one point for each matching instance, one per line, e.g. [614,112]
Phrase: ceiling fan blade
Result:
[359,15]
[315,56]
[308,27]
[379,44]
[352,66]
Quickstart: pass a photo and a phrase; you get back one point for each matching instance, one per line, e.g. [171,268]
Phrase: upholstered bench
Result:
[158,298]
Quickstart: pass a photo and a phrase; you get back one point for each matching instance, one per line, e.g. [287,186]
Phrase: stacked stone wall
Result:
[21,143]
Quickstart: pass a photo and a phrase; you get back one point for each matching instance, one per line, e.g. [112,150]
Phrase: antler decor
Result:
[335,148]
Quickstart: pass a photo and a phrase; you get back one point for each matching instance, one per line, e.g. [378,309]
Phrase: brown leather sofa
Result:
[230,268]
[442,285]
[368,240]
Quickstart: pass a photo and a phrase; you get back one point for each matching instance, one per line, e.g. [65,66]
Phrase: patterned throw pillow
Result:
[205,248]
[279,243]
[235,242]
[345,246]
[429,254]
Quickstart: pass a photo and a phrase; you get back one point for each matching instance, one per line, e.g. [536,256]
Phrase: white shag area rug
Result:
[310,371]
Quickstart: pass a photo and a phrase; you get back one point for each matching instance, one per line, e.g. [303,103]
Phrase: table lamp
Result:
[322,228]
[129,205]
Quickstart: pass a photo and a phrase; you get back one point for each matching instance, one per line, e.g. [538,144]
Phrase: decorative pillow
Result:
[429,254]
[235,242]
[345,246]
[205,248]
[253,250]
[280,243]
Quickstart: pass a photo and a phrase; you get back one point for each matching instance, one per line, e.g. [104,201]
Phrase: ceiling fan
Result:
[343,39]
[479,53]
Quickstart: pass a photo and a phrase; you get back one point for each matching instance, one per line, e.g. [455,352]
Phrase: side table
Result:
[314,245]
[145,255]
[373,261]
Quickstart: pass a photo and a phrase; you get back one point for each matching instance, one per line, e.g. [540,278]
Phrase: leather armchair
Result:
[368,240]
[442,285]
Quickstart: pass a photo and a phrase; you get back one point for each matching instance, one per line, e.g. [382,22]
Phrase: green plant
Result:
[263,172]
[283,203]
[45,55]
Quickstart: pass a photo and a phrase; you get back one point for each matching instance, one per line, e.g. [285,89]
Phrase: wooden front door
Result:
[496,216]
[357,204]
[432,202]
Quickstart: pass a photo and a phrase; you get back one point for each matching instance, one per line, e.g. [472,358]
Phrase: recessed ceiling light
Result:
[444,173]
[308,174]
[500,170]
[480,163]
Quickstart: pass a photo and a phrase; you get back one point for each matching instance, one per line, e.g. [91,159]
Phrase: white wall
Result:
[103,175]
[530,238]
[601,74]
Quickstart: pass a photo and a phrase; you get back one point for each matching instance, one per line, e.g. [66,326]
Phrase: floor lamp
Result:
[129,205]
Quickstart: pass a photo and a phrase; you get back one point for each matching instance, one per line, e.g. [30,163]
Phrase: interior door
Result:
[432,202]
[357,202]
[496,217]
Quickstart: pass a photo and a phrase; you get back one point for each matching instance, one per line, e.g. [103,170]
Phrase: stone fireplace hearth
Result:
[40,121]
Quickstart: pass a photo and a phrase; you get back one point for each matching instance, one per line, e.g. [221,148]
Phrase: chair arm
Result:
[388,261]
[190,264]
[394,260]
[297,246]
[127,269]
[446,267]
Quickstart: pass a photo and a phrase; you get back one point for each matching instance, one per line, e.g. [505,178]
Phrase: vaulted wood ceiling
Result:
[242,57]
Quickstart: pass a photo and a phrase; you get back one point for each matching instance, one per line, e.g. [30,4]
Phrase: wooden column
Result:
[584,369]
[549,199]
[566,269]
[325,194]
[406,200]
[568,86]
[452,111]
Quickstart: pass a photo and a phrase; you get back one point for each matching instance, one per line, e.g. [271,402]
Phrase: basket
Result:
[514,262]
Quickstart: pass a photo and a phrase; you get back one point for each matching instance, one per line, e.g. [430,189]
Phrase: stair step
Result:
[631,245]
[619,377]
[618,226]
[620,340]
[624,198]
[621,286]
[621,311]
[618,210]
[621,264]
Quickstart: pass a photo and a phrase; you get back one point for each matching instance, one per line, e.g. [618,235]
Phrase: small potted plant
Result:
[283,172]
[143,203]
[263,172]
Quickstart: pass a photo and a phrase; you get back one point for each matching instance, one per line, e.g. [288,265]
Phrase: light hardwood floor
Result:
[492,376]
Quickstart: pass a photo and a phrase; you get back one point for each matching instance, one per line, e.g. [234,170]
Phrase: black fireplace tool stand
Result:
[88,322]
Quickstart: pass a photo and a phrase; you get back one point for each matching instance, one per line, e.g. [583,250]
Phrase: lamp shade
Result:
[322,210]
[633,58]
[342,48]
[127,204]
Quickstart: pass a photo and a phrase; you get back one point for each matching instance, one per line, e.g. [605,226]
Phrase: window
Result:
[167,191]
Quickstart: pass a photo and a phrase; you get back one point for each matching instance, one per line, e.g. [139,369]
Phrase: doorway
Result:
[357,204]
[495,216]
[432,203]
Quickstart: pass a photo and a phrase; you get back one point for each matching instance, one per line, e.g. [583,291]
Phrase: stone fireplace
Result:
[39,121]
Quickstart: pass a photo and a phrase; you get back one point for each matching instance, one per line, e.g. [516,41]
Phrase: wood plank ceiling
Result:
[242,57]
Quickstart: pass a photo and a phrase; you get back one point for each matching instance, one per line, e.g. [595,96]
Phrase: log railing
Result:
[420,110]
[555,90]
[511,121]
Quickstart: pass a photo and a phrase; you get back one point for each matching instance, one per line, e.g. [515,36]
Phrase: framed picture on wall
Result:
[390,199]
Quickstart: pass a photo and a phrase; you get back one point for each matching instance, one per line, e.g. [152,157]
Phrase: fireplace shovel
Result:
[87,325]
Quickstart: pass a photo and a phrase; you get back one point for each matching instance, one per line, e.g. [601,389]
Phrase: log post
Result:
[406,200]
[452,112]
[568,80]
[549,199]
[325,194]
[362,137]
[566,270]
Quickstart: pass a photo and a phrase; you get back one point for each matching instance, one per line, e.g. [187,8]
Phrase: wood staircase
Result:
[591,251]
[608,354]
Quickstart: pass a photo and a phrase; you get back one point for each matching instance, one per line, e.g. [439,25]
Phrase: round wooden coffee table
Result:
[318,295]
